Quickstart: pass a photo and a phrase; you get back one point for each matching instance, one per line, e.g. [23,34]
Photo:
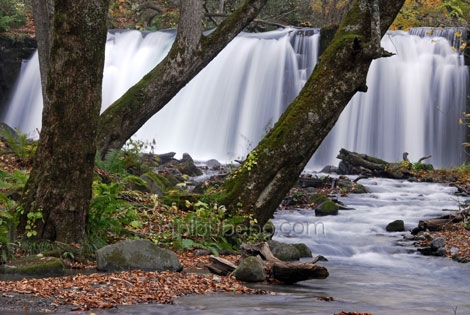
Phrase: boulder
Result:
[251,269]
[188,167]
[395,226]
[136,254]
[327,207]
[284,252]
[303,249]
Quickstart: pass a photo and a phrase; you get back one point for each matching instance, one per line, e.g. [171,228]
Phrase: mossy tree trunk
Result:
[274,166]
[59,186]
[190,53]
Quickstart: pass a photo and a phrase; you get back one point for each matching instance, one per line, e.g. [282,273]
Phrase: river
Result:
[371,270]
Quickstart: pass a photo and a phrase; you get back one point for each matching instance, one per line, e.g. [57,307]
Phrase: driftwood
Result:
[353,163]
[443,223]
[220,266]
[286,272]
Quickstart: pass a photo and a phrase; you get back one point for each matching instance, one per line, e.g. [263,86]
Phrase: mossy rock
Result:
[250,270]
[318,199]
[395,226]
[303,249]
[157,184]
[284,252]
[35,266]
[327,207]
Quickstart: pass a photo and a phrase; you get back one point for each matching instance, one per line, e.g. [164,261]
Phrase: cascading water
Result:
[414,102]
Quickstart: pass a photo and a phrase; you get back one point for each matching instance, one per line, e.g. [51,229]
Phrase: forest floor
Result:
[87,289]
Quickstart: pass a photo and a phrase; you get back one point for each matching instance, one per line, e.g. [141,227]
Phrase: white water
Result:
[370,269]
[414,102]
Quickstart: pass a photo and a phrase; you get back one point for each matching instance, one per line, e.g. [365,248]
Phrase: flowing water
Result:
[414,102]
[371,270]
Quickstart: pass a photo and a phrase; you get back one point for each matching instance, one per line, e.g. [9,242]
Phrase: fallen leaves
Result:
[98,290]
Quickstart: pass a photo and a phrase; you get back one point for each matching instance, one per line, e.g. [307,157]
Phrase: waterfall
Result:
[413,104]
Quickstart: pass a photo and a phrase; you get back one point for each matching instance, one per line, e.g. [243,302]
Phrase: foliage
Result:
[209,226]
[433,13]
[109,213]
[9,182]
[11,14]
[23,147]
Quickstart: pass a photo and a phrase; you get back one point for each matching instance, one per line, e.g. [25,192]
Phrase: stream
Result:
[371,270]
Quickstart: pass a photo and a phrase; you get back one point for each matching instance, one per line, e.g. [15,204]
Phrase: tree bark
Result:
[274,166]
[43,11]
[190,53]
[59,186]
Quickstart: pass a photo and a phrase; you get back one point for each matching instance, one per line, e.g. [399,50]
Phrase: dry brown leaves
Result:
[97,290]
[458,237]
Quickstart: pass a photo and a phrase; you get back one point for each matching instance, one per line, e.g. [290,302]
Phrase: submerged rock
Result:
[137,254]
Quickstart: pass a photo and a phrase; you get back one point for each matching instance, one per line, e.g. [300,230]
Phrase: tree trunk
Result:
[59,186]
[274,166]
[190,53]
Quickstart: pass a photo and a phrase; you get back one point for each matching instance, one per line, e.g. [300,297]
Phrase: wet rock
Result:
[436,248]
[250,270]
[137,254]
[327,207]
[395,226]
[437,243]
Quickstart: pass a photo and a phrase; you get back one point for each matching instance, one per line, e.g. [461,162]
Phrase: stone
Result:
[136,254]
[251,269]
[188,167]
[303,249]
[395,226]
[437,243]
[39,266]
[327,207]
[284,252]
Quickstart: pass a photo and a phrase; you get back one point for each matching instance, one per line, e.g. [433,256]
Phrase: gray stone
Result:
[438,242]
[137,254]
[284,252]
[251,269]
[395,226]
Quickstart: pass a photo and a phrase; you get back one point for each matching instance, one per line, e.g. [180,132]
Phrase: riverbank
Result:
[91,290]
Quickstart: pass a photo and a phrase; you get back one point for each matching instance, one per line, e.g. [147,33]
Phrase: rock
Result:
[214,165]
[137,254]
[437,243]
[303,249]
[35,266]
[284,252]
[188,167]
[395,226]
[250,270]
[327,207]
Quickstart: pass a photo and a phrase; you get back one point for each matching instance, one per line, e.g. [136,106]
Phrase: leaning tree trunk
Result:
[190,53]
[274,166]
[59,187]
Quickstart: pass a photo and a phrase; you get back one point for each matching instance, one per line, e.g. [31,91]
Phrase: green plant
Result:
[109,213]
[31,220]
[11,14]
[23,147]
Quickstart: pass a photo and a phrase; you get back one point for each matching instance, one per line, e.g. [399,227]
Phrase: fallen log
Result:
[286,272]
[353,163]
